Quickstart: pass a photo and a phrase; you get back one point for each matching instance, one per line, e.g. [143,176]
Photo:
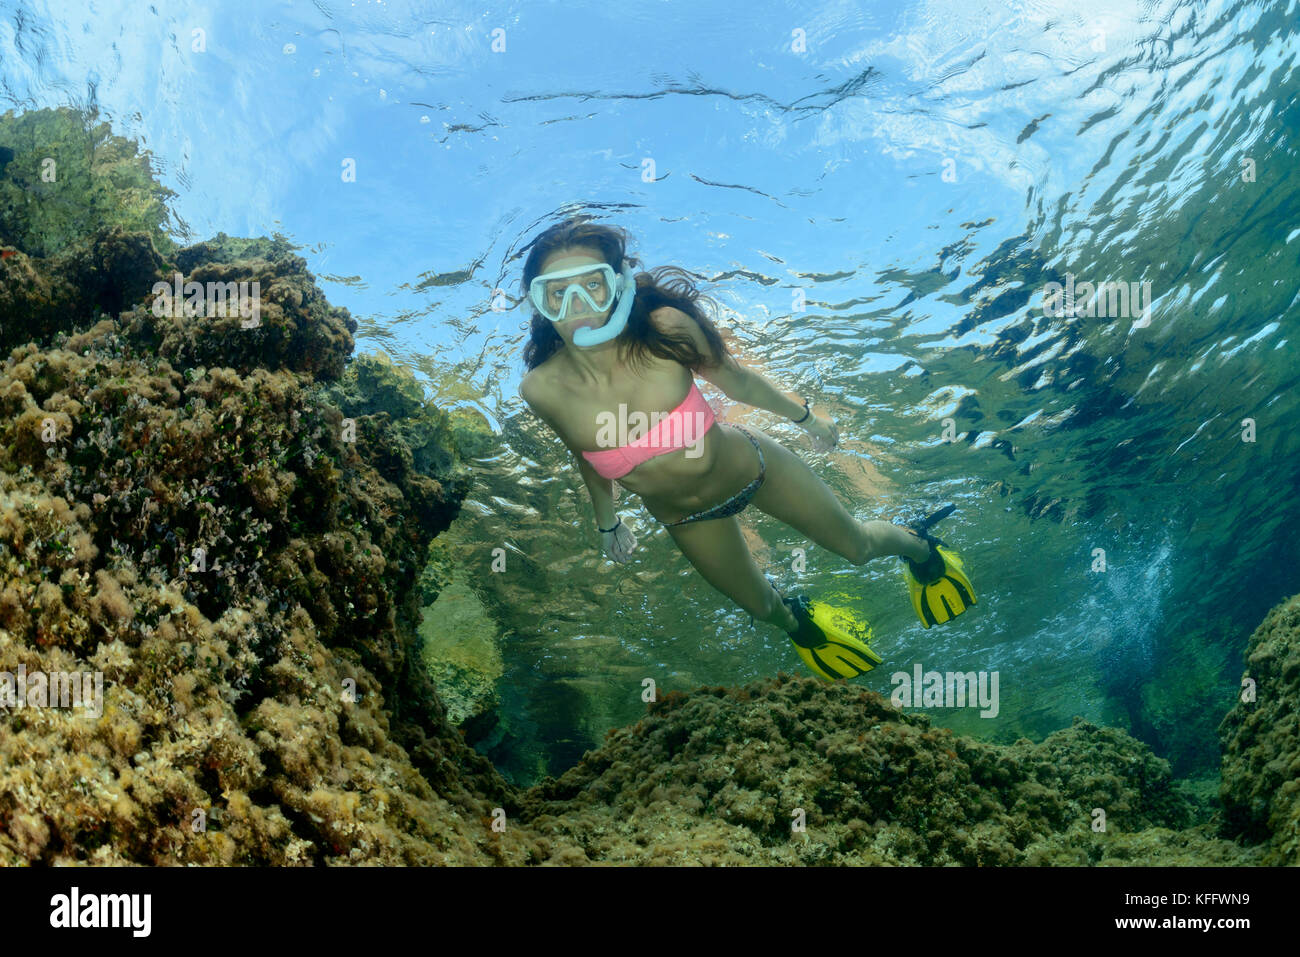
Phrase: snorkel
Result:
[586,337]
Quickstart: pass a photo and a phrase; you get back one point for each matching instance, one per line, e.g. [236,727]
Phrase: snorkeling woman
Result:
[608,346]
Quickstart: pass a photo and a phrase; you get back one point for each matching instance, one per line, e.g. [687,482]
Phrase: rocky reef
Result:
[794,771]
[235,524]
[1260,788]
[183,510]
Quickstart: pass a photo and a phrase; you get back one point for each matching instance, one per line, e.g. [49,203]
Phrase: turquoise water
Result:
[918,171]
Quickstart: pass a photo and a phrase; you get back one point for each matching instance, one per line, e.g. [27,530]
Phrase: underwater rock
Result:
[67,176]
[294,327]
[182,511]
[729,775]
[1260,786]
[461,652]
[265,685]
[39,297]
[230,249]
[1178,707]
[378,388]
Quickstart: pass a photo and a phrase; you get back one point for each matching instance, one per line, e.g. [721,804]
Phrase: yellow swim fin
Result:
[938,586]
[831,641]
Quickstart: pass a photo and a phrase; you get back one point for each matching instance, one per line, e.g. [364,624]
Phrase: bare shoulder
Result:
[729,375]
[535,387]
[537,391]
[670,320]
[529,386]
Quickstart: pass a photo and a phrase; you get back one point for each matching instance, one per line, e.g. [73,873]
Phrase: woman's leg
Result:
[792,493]
[718,551]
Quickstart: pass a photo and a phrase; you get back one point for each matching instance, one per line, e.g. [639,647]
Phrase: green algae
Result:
[376,387]
[460,652]
[1184,700]
[228,249]
[1261,740]
[42,298]
[69,175]
[726,773]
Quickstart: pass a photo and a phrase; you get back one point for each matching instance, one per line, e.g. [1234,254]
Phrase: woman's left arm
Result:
[742,384]
[757,390]
[762,394]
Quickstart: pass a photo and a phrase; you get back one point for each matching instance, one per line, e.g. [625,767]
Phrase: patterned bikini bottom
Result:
[738,502]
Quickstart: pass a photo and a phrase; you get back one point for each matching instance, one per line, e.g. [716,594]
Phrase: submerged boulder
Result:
[188,518]
[793,770]
[1260,787]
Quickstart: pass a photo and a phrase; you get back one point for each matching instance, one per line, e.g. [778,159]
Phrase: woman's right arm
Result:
[599,488]
[601,491]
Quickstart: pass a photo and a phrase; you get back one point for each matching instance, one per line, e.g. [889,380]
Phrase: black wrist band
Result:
[807,411]
[611,528]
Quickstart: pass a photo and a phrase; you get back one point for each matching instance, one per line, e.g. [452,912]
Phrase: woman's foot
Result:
[782,616]
[881,538]
[915,547]
[791,624]
[930,567]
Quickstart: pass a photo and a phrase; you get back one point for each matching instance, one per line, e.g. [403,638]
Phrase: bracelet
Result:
[611,528]
[807,411]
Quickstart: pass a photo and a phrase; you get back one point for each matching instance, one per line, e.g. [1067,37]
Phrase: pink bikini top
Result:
[681,427]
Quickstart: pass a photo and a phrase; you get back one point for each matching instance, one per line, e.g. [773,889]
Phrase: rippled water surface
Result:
[919,172]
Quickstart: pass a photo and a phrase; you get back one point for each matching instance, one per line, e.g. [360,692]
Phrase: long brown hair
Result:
[665,286]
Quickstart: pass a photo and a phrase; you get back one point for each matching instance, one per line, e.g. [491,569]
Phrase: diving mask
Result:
[559,295]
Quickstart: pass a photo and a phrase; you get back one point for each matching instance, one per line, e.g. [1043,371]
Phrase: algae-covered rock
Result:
[109,271]
[460,652]
[462,399]
[229,249]
[791,770]
[1183,701]
[183,511]
[376,387]
[67,176]
[246,582]
[437,570]
[473,436]
[1261,740]
[293,328]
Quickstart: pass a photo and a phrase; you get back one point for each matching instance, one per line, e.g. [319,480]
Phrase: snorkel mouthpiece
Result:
[588,337]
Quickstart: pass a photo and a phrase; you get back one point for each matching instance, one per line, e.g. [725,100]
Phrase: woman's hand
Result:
[822,429]
[619,543]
